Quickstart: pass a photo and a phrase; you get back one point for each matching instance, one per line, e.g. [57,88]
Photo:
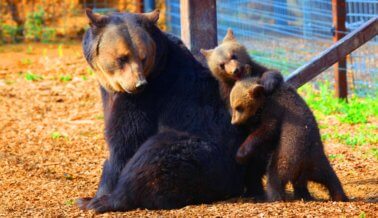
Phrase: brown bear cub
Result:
[286,127]
[230,61]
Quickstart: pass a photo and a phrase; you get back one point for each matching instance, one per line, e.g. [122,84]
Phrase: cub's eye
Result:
[239,109]
[122,60]
[221,66]
[234,57]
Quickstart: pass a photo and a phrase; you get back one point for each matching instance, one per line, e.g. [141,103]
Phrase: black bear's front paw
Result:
[82,203]
[100,205]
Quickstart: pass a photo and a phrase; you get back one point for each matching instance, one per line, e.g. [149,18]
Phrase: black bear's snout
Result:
[141,84]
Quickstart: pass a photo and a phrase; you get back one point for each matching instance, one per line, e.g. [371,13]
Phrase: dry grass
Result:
[52,146]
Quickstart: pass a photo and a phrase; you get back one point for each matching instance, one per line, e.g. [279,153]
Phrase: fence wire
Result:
[285,34]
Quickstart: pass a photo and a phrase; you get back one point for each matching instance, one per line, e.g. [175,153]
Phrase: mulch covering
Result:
[52,146]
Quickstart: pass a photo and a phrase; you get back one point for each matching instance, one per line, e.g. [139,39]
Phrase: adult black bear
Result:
[151,82]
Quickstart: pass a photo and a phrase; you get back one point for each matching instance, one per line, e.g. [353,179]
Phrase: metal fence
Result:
[284,34]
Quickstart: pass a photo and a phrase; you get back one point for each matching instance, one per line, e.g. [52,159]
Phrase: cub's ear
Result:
[152,16]
[96,20]
[206,53]
[229,35]
[257,91]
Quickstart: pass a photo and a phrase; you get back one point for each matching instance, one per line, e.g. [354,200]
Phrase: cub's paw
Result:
[82,203]
[271,80]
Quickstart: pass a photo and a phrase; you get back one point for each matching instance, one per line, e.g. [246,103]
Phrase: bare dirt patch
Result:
[52,146]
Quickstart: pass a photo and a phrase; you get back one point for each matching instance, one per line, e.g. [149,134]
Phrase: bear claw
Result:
[100,205]
[82,203]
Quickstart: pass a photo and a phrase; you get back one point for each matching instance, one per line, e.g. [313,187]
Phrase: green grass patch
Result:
[351,140]
[32,77]
[336,156]
[68,176]
[65,78]
[326,136]
[355,111]
[374,152]
[365,135]
[362,215]
[26,61]
[99,117]
[69,202]
[29,50]
[90,71]
[57,135]
[9,82]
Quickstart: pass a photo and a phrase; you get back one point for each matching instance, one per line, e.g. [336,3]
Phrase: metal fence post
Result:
[198,25]
[338,18]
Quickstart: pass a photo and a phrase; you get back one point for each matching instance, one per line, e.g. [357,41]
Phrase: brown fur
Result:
[227,60]
[230,61]
[122,64]
[245,95]
[289,127]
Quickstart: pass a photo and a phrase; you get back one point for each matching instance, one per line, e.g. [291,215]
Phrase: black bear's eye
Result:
[122,60]
[234,57]
[221,66]
[239,109]
[144,60]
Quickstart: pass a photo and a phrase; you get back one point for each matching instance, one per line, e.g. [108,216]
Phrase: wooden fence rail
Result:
[337,51]
[199,30]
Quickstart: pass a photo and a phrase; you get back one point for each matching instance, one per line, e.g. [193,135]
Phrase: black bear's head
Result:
[120,49]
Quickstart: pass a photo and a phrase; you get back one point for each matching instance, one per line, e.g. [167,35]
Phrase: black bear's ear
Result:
[152,16]
[206,53]
[229,35]
[96,20]
[257,91]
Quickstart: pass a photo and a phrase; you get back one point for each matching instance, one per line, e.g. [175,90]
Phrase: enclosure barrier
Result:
[336,52]
[338,20]
[198,30]
[198,25]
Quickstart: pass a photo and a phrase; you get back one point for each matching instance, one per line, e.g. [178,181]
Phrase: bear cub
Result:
[287,128]
[230,61]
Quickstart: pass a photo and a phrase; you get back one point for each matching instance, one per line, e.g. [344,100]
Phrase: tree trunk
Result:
[12,6]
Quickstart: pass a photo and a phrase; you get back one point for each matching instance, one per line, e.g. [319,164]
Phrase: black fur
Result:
[169,170]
